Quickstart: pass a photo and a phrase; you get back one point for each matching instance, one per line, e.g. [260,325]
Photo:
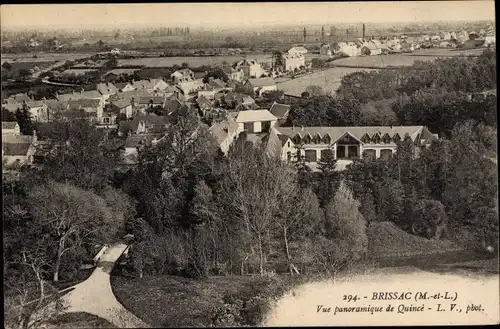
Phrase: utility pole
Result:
[364,31]
[346,35]
[305,35]
[322,34]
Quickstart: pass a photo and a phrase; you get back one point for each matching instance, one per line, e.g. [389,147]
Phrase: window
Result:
[248,127]
[288,156]
[106,120]
[325,154]
[310,155]
[370,153]
[385,154]
[386,139]
[266,126]
[288,143]
[327,139]
[341,152]
[306,139]
[352,151]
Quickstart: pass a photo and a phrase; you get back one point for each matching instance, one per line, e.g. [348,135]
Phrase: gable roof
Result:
[86,103]
[280,110]
[121,103]
[182,73]
[358,132]
[255,115]
[222,129]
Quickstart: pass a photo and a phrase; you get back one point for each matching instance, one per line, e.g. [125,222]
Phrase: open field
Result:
[407,59]
[192,61]
[43,57]
[328,79]
[381,61]
[442,52]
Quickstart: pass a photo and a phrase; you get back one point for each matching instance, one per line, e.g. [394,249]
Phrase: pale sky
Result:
[242,14]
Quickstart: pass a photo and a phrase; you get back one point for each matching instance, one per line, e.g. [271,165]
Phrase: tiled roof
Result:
[121,103]
[279,110]
[218,130]
[358,132]
[255,115]
[84,102]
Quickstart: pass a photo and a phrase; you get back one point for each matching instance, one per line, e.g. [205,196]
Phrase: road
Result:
[96,297]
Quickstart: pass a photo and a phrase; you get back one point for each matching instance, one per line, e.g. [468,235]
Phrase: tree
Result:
[8,115]
[430,219]
[23,117]
[184,65]
[24,73]
[315,91]
[345,226]
[216,73]
[7,66]
[81,155]
[72,217]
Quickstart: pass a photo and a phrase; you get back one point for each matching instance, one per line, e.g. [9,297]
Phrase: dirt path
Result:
[96,297]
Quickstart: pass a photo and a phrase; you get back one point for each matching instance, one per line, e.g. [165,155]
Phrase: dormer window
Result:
[376,138]
[396,138]
[317,139]
[327,139]
[366,139]
[386,139]
[307,139]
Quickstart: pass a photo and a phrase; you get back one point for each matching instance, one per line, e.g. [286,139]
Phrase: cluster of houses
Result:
[371,46]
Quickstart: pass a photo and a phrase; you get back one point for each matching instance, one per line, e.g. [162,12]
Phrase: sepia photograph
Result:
[249,164]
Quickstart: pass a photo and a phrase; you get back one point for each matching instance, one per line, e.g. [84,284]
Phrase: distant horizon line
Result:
[235,26]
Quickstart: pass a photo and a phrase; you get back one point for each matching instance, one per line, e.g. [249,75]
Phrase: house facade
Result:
[183,75]
[18,150]
[93,107]
[255,121]
[225,132]
[234,74]
[250,67]
[293,61]
[349,143]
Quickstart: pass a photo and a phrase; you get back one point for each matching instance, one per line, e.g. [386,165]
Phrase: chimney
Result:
[74,93]
[293,128]
[302,128]
[35,137]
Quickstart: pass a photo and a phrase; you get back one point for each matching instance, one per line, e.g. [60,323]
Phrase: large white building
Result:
[293,61]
